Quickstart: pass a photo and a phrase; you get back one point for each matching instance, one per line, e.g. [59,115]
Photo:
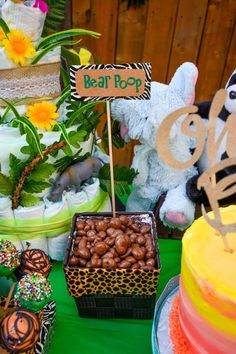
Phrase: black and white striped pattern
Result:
[146,67]
[47,327]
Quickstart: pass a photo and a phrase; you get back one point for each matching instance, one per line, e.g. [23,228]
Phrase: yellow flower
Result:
[18,47]
[43,115]
[2,35]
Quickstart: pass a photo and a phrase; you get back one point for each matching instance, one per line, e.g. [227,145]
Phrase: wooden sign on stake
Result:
[215,190]
[108,82]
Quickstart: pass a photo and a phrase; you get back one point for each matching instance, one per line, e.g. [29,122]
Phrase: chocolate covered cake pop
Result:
[9,258]
[33,292]
[19,330]
[33,261]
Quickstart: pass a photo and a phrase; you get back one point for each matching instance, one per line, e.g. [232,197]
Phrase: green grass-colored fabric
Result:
[75,335]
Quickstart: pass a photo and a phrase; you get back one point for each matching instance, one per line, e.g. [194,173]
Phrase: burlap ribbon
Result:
[33,82]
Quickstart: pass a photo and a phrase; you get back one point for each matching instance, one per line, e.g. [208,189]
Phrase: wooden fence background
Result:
[165,33]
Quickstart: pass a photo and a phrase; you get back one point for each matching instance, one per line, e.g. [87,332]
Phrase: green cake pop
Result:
[9,258]
[33,292]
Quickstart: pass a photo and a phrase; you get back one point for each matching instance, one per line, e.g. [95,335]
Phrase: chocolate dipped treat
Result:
[33,261]
[9,258]
[19,330]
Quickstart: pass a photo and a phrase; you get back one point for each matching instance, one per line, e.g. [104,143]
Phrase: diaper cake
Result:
[43,133]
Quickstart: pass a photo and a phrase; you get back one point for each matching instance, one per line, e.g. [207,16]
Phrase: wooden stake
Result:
[111,158]
[9,296]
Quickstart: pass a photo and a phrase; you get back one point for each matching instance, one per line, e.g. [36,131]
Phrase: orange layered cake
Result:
[206,321]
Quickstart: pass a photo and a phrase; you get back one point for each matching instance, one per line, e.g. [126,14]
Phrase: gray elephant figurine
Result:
[74,175]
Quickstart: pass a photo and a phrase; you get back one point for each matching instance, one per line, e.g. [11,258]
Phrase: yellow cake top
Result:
[203,251]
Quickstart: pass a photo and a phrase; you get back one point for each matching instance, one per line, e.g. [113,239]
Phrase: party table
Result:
[75,335]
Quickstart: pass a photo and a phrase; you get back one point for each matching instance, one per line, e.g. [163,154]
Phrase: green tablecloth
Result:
[75,335]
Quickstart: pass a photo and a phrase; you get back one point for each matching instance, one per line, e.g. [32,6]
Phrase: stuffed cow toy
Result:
[140,120]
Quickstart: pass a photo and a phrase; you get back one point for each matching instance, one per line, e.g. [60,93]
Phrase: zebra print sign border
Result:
[146,67]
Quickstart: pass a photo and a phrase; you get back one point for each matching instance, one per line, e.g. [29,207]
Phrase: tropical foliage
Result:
[123,178]
[55,16]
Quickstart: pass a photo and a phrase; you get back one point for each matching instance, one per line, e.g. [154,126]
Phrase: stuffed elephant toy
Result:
[140,120]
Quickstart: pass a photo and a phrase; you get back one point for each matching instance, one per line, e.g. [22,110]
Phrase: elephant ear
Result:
[184,81]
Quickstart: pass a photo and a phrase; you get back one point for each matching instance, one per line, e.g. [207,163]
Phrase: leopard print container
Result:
[113,293]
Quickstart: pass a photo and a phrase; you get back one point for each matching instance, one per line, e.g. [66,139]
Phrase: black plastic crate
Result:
[105,306]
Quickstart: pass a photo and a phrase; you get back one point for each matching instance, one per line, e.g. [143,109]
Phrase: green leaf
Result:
[6,185]
[64,95]
[117,140]
[81,134]
[41,172]
[4,27]
[17,100]
[75,137]
[67,150]
[27,200]
[16,168]
[65,77]
[53,20]
[76,114]
[30,129]
[123,178]
[66,161]
[64,133]
[26,150]
[59,36]
[50,47]
[10,106]
[31,149]
[32,186]
[70,57]
[26,123]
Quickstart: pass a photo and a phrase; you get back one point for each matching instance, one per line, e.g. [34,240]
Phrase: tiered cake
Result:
[203,316]
[30,93]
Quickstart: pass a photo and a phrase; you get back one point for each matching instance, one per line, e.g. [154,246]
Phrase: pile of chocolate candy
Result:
[118,242]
